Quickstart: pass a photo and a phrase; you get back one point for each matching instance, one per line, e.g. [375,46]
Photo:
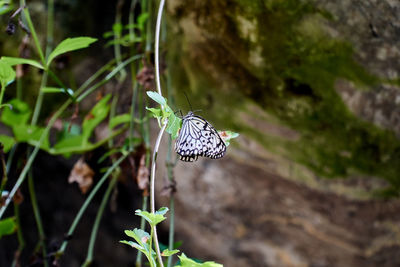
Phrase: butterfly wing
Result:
[198,138]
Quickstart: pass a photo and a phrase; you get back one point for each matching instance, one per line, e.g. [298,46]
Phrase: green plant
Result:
[169,122]
[73,137]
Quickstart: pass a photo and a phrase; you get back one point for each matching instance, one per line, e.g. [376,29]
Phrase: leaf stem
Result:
[34,35]
[152,189]
[4,179]
[157,145]
[38,219]
[32,156]
[21,241]
[156,46]
[100,211]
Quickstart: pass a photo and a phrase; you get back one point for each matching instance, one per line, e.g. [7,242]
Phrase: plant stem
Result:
[3,89]
[88,200]
[152,189]
[170,166]
[33,32]
[149,26]
[39,100]
[32,156]
[21,241]
[150,245]
[157,145]
[57,114]
[156,46]
[96,225]
[107,78]
[142,226]
[38,219]
[117,38]
[4,179]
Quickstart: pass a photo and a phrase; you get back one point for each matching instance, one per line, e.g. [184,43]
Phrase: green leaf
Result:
[167,252]
[142,20]
[157,97]
[227,136]
[7,142]
[187,262]
[95,116]
[117,28]
[173,126]
[19,114]
[7,226]
[12,61]
[7,74]
[162,211]
[70,44]
[155,112]
[30,134]
[5,7]
[152,219]
[123,118]
[139,235]
[134,245]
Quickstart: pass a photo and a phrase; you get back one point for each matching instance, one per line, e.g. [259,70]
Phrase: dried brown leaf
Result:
[18,197]
[82,174]
[145,77]
[142,177]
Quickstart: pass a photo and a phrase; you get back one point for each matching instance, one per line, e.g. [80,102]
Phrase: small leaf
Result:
[157,97]
[82,174]
[7,226]
[139,235]
[142,20]
[96,115]
[155,112]
[162,211]
[117,28]
[18,114]
[123,118]
[7,142]
[12,61]
[167,252]
[174,124]
[227,136]
[152,219]
[132,244]
[31,134]
[70,44]
[187,262]
[7,74]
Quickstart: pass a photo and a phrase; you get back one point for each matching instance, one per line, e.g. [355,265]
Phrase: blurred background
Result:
[313,89]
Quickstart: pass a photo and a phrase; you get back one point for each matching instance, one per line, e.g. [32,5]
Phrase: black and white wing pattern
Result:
[198,137]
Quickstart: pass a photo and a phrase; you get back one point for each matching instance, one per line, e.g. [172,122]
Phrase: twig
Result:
[157,145]
[152,187]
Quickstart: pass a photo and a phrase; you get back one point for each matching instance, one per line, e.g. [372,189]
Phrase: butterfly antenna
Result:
[187,98]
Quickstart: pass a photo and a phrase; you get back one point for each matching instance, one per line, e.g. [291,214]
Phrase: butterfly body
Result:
[198,137]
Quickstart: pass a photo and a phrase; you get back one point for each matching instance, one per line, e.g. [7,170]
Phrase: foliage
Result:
[143,241]
[8,226]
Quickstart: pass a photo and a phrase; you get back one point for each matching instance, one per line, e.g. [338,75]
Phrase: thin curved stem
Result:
[152,187]
[157,145]
[89,257]
[156,46]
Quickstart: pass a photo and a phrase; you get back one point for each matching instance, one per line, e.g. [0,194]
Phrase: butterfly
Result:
[198,137]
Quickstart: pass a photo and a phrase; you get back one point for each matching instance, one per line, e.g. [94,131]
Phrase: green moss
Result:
[294,82]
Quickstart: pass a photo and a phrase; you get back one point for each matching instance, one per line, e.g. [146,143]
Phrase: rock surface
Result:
[313,88]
